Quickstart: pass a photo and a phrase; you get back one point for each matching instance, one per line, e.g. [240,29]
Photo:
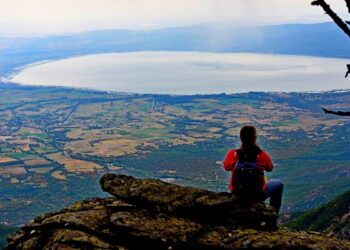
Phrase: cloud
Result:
[61,16]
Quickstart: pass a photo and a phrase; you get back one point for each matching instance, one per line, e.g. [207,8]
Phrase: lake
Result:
[189,73]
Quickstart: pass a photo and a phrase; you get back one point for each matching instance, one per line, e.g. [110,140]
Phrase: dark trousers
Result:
[274,191]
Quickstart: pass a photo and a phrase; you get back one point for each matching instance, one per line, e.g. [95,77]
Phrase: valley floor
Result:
[55,143]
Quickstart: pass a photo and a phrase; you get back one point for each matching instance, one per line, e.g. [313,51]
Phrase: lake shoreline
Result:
[91,90]
[12,78]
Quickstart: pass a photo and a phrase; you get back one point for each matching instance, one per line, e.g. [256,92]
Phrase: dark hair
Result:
[249,147]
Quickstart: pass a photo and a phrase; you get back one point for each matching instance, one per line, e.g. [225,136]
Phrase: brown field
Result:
[14,181]
[114,168]
[175,111]
[232,131]
[42,149]
[104,148]
[41,170]
[5,138]
[6,159]
[13,170]
[78,133]
[93,134]
[30,109]
[88,110]
[183,139]
[28,130]
[203,135]
[36,162]
[75,166]
[58,175]
[144,144]
[214,130]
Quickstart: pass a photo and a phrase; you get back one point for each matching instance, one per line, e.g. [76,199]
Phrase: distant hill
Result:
[292,39]
[334,218]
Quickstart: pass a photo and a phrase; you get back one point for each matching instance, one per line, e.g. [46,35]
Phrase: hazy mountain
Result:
[295,39]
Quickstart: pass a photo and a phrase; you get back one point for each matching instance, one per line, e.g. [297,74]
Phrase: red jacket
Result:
[263,161]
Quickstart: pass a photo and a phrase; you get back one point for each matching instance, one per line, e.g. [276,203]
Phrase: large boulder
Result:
[156,215]
[197,204]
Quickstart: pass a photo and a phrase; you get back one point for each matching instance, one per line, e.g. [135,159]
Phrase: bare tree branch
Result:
[341,24]
[336,112]
[348,4]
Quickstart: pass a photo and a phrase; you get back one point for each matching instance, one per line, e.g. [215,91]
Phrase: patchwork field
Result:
[55,143]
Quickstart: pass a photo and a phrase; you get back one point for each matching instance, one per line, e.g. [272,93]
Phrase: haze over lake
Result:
[190,73]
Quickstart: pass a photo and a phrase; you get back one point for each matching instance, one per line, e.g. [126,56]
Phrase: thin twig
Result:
[341,24]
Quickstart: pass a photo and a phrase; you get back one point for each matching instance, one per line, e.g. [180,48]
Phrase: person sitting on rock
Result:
[247,165]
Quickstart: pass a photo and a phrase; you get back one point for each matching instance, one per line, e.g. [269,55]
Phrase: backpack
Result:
[248,180]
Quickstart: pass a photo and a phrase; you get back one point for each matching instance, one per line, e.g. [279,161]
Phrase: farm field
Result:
[55,143]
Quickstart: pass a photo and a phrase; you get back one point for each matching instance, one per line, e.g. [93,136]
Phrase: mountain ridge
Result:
[289,39]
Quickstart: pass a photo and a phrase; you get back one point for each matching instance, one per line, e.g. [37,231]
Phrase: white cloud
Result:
[60,16]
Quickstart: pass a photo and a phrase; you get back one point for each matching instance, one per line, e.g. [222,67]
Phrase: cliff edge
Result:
[158,215]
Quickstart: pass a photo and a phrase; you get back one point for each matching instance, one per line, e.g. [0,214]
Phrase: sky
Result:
[41,17]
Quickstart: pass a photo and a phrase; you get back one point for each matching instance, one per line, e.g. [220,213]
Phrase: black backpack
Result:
[248,180]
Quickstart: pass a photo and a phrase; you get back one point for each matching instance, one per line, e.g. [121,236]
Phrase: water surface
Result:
[190,73]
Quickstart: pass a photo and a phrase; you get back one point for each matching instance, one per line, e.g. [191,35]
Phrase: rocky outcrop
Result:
[340,227]
[156,215]
[185,202]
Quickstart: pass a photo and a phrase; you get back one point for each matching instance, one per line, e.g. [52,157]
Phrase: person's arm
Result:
[265,161]
[230,160]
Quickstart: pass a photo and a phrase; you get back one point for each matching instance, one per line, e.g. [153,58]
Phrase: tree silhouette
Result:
[343,25]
